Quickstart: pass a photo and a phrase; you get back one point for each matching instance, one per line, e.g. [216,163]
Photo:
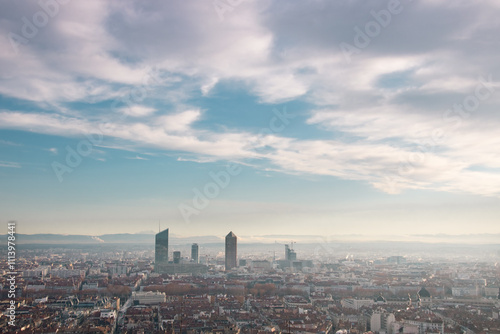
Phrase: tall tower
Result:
[231,245]
[161,248]
[177,257]
[194,253]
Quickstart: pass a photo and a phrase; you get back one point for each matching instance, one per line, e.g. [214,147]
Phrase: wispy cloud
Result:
[136,158]
[53,150]
[9,143]
[10,164]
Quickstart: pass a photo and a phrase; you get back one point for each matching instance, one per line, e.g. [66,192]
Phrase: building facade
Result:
[195,253]
[177,257]
[231,251]
[161,248]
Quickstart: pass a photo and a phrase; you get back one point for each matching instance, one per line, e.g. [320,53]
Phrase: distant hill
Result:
[139,238]
[148,238]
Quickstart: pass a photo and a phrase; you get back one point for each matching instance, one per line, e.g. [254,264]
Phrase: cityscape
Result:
[228,287]
[250,167]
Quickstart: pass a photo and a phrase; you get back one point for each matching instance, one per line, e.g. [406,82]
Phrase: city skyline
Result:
[331,290]
[324,118]
[244,167]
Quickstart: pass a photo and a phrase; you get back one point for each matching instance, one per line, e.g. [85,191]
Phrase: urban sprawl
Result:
[136,289]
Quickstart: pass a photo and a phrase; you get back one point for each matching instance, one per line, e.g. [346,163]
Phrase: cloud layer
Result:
[414,106]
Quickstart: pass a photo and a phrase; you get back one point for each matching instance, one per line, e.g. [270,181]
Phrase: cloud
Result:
[138,111]
[9,143]
[206,88]
[378,115]
[179,122]
[199,160]
[10,164]
[53,150]
[96,238]
[136,158]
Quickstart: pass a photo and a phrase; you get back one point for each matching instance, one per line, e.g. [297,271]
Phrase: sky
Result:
[370,118]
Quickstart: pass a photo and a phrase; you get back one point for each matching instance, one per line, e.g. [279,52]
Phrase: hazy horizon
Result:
[466,239]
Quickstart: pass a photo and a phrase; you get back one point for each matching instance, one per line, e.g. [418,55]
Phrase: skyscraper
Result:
[161,248]
[194,253]
[177,257]
[231,245]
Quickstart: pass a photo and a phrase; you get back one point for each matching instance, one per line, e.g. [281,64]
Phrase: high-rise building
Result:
[177,257]
[231,255]
[290,254]
[178,266]
[194,253]
[161,248]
